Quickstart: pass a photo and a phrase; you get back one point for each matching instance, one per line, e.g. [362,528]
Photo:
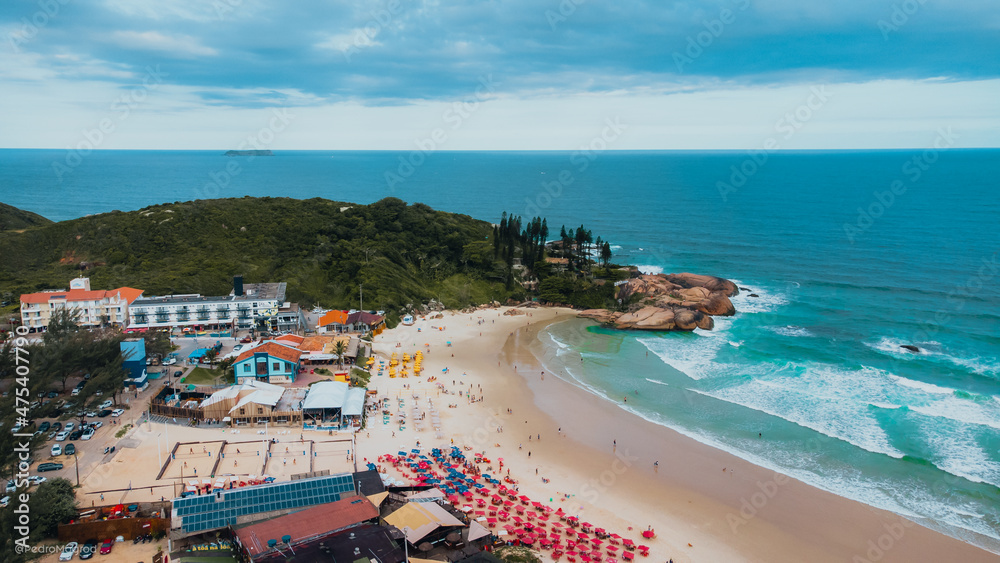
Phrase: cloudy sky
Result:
[493,74]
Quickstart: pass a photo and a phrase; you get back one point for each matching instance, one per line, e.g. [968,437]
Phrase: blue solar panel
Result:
[207,512]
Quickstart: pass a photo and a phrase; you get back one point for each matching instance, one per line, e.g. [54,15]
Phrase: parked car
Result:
[117,412]
[56,450]
[56,426]
[69,426]
[76,435]
[11,486]
[70,449]
[104,413]
[52,394]
[106,546]
[42,467]
[68,551]
[37,479]
[5,501]
[87,434]
[246,339]
[96,424]
[178,373]
[88,549]
[170,361]
[105,404]
[44,426]
[61,437]
[91,414]
[75,391]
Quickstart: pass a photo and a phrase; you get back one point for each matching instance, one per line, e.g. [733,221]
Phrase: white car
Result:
[61,437]
[68,551]
[56,449]
[105,404]
[37,479]
[87,434]
[96,425]
[170,361]
[117,412]
[4,501]
[75,391]
[69,426]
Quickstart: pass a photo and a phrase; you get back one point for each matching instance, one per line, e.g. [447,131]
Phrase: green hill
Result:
[401,253]
[12,218]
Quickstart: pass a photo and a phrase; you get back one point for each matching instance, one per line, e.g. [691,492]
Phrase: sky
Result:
[498,75]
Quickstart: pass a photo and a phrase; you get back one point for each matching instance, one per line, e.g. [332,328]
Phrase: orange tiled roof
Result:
[315,343]
[129,294]
[71,295]
[272,349]
[293,339]
[339,317]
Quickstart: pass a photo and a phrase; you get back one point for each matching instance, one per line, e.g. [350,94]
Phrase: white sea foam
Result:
[926,387]
[650,269]
[935,351]
[657,381]
[957,452]
[766,300]
[790,330]
[821,398]
[691,354]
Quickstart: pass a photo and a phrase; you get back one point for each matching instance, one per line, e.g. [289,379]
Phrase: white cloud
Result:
[178,45]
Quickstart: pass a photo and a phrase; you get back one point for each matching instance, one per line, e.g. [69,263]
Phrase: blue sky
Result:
[395,74]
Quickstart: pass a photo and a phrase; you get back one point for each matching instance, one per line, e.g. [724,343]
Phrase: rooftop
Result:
[307,524]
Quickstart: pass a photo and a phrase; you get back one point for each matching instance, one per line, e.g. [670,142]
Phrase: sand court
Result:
[288,458]
[193,459]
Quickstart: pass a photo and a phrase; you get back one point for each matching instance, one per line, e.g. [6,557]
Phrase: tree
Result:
[63,321]
[53,503]
[340,349]
[211,354]
[606,253]
[158,343]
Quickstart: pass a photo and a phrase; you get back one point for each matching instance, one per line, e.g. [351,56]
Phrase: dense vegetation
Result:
[12,218]
[327,251]
[53,503]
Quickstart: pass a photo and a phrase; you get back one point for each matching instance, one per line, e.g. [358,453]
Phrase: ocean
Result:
[843,256]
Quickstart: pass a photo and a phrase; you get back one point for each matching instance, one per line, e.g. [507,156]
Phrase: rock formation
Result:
[669,302]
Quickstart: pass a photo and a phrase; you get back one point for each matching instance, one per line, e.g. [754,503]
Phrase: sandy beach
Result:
[597,459]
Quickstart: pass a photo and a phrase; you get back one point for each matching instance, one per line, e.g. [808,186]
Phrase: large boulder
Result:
[711,283]
[717,304]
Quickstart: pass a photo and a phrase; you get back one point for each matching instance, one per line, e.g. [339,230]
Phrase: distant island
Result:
[265,152]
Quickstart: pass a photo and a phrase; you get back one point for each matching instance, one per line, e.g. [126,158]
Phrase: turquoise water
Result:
[845,271]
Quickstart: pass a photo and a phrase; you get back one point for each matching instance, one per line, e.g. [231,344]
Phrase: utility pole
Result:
[361,289]
[76,462]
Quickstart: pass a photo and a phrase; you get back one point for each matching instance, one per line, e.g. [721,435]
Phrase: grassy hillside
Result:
[12,218]
[324,249]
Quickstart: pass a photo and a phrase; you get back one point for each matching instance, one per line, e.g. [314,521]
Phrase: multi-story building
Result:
[245,307]
[93,308]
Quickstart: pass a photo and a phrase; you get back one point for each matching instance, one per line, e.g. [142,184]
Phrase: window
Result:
[276,366]
[260,410]
[246,368]
[243,410]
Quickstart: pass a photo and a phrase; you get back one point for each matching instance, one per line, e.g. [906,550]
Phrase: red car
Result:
[246,339]
[106,546]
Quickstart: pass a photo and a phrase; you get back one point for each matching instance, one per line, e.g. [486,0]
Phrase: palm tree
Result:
[340,349]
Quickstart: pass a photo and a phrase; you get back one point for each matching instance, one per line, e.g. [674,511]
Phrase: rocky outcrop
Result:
[670,302]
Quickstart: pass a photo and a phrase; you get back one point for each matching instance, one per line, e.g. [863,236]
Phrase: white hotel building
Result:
[93,308]
[238,310]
